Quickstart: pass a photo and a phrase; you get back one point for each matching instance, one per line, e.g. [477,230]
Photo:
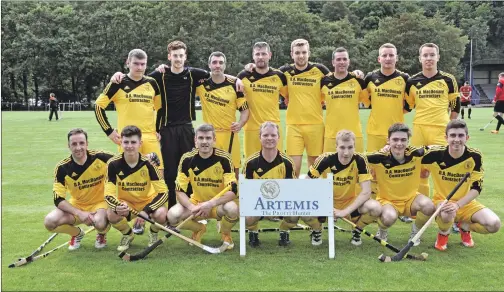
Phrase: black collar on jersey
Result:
[267,166]
[448,161]
[339,166]
[203,163]
[297,71]
[84,166]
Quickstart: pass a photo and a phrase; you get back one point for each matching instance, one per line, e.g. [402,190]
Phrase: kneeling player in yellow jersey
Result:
[348,169]
[447,165]
[219,102]
[269,163]
[204,173]
[134,183]
[82,175]
[397,172]
[342,92]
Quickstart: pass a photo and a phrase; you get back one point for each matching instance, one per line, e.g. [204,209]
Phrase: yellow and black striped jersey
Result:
[386,95]
[447,171]
[262,92]
[304,94]
[342,97]
[396,181]
[85,183]
[219,102]
[205,178]
[136,102]
[345,177]
[256,167]
[141,184]
[432,97]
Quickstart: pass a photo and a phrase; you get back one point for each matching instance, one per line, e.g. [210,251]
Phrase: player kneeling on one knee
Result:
[134,183]
[206,171]
[82,175]
[269,163]
[447,165]
[397,169]
[348,169]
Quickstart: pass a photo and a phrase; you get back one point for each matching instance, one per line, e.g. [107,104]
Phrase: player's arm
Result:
[290,170]
[157,104]
[475,181]
[159,186]
[364,175]
[101,104]
[118,207]
[409,96]
[242,106]
[59,196]
[319,167]
[366,100]
[453,97]
[182,183]
[364,94]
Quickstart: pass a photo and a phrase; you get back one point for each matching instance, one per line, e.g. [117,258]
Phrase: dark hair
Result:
[339,50]
[216,54]
[457,124]
[260,45]
[130,131]
[399,127]
[75,132]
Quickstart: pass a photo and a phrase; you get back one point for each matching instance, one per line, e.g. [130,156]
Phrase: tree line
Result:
[72,48]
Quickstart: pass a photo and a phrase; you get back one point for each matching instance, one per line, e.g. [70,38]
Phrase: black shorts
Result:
[465,103]
[175,142]
[499,106]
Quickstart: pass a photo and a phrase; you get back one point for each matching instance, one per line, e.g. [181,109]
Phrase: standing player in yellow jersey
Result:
[447,165]
[269,163]
[397,172]
[342,92]
[203,173]
[82,175]
[263,85]
[305,124]
[134,183]
[137,99]
[348,169]
[219,102]
[386,88]
[431,92]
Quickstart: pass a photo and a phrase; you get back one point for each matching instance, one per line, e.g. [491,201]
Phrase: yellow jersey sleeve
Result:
[320,166]
[183,180]
[59,186]
[364,172]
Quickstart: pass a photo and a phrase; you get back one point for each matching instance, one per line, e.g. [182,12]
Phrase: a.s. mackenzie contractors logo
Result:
[270,189]
[268,204]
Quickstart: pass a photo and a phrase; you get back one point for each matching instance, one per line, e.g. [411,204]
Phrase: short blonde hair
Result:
[268,124]
[345,135]
[299,43]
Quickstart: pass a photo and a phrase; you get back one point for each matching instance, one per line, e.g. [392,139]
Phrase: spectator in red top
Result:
[499,103]
[465,98]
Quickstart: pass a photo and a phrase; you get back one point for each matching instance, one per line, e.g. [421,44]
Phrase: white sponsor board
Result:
[286,197]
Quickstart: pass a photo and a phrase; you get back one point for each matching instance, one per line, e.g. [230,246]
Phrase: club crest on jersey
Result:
[143,173]
[270,189]
[399,82]
[351,84]
[97,166]
[351,168]
[218,171]
[439,84]
[468,165]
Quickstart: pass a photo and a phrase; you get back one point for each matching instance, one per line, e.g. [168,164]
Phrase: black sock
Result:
[498,125]
[500,119]
[469,115]
[462,113]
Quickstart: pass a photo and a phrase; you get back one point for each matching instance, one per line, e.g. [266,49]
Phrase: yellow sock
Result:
[364,220]
[478,228]
[105,230]
[444,227]
[154,228]
[254,227]
[123,226]
[68,229]
[227,224]
[420,220]
[285,226]
[424,187]
[381,225]
[192,225]
[314,223]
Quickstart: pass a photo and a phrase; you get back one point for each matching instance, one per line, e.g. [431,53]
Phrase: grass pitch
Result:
[31,147]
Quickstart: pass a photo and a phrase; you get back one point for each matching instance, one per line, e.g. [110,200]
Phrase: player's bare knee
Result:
[372,207]
[160,215]
[428,208]
[251,220]
[230,209]
[49,222]
[447,217]
[494,225]
[113,217]
[388,217]
[174,214]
